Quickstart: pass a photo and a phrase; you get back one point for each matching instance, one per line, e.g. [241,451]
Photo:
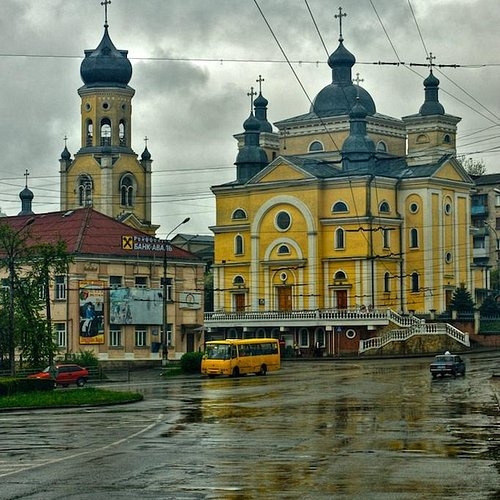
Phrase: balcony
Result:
[297,319]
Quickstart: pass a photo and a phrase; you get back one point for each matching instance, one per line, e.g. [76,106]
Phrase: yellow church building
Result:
[343,223]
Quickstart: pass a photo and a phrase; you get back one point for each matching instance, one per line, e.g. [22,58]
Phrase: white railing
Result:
[406,333]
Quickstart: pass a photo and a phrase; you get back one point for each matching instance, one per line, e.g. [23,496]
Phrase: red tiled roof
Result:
[89,232]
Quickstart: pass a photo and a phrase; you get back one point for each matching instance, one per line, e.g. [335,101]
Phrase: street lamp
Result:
[166,246]
[13,250]
[498,259]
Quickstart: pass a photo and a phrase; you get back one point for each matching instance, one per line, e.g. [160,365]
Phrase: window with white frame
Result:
[168,340]
[320,336]
[115,336]
[169,289]
[238,244]
[140,336]
[141,282]
[339,242]
[61,335]
[60,287]
[115,281]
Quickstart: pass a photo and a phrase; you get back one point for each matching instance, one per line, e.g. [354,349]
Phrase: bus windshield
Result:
[217,351]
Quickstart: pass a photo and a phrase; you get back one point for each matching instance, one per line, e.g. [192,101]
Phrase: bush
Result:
[83,358]
[10,386]
[191,362]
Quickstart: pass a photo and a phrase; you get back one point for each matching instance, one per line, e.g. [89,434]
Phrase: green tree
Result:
[489,307]
[462,301]
[25,319]
[48,260]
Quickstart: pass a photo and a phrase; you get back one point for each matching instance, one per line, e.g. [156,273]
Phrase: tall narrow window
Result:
[85,191]
[105,132]
[121,133]
[238,245]
[387,282]
[127,191]
[60,287]
[386,241]
[115,336]
[339,239]
[89,133]
[413,238]
[61,336]
[415,286]
[140,336]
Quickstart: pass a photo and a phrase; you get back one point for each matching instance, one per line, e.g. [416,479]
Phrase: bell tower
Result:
[105,172]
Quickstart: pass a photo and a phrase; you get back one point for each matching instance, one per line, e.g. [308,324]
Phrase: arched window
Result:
[447,139]
[340,276]
[238,244]
[238,281]
[283,250]
[413,238]
[239,213]
[415,286]
[339,239]
[384,208]
[121,133]
[340,206]
[89,127]
[422,139]
[382,146]
[105,132]
[85,186]
[315,146]
[127,191]
[387,282]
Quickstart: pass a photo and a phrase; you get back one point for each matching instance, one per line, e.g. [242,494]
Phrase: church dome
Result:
[431,105]
[339,97]
[106,65]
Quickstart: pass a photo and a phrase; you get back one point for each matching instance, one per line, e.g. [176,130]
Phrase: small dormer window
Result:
[381,147]
[447,139]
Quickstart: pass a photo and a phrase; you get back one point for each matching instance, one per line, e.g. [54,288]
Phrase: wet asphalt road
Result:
[377,429]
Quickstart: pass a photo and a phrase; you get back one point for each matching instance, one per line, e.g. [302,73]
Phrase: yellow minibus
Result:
[235,357]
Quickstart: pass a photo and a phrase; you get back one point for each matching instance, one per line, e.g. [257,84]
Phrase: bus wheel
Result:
[262,371]
[236,372]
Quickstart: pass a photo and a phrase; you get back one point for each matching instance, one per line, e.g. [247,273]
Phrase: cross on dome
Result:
[431,59]
[357,80]
[259,81]
[339,16]
[251,94]
[106,3]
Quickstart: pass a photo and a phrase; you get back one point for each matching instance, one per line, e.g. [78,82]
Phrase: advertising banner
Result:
[91,295]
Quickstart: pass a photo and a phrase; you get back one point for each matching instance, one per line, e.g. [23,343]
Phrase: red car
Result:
[64,374]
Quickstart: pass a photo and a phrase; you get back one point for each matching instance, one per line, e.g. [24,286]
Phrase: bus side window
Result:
[233,351]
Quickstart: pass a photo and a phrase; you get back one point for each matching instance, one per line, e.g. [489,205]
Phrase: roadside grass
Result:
[87,396]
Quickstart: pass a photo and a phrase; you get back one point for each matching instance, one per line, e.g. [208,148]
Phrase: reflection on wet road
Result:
[369,429]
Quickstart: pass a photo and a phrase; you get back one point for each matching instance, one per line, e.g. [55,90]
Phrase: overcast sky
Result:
[194,62]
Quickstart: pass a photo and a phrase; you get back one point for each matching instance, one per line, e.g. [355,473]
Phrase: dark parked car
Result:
[64,375]
[447,364]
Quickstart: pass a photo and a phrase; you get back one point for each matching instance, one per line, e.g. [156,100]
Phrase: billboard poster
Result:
[136,306]
[91,294]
